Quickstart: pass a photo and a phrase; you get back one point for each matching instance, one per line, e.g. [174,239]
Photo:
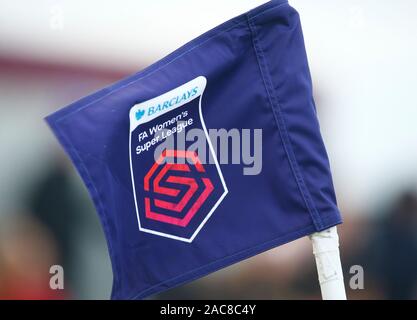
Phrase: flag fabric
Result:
[174,212]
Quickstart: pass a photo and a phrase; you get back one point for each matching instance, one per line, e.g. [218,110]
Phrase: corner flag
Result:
[207,157]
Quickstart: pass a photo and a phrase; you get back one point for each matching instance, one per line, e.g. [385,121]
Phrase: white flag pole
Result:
[329,267]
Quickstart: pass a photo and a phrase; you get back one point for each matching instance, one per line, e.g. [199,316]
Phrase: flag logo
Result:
[197,183]
[175,192]
[139,114]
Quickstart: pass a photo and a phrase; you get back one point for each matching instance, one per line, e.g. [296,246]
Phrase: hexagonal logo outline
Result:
[202,83]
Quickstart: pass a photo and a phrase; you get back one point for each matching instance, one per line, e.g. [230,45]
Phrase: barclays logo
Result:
[139,114]
[148,110]
[173,101]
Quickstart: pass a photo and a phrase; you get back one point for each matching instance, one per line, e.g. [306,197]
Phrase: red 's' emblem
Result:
[152,180]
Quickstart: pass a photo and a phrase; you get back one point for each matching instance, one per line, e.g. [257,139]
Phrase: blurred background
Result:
[363,58]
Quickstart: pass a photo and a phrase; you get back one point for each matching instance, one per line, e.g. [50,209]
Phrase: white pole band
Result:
[329,267]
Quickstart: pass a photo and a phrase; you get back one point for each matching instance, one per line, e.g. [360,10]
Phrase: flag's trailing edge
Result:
[168,223]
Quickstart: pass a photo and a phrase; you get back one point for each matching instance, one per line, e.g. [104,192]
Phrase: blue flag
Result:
[207,157]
